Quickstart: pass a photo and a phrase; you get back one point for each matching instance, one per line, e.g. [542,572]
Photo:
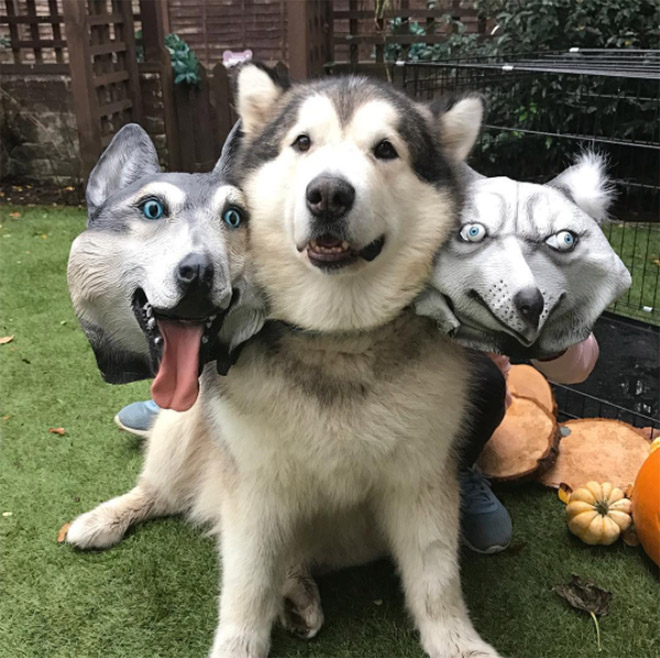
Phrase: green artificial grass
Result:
[155,593]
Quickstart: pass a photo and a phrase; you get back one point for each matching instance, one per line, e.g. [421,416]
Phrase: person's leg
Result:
[488,394]
[138,417]
[485,523]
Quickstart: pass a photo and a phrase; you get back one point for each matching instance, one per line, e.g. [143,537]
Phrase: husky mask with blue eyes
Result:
[529,270]
[159,279]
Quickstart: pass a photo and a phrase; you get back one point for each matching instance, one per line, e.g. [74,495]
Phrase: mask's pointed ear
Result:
[229,150]
[586,184]
[245,318]
[257,90]
[129,156]
[458,122]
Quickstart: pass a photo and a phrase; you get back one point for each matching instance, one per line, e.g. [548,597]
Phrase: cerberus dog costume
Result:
[330,440]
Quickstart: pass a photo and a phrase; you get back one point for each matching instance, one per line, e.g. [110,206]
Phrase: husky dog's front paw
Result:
[239,646]
[96,529]
[456,645]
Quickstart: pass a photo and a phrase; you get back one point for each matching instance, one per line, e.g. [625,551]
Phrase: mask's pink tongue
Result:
[176,385]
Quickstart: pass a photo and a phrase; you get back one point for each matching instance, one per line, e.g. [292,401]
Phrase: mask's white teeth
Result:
[151,323]
[213,317]
[158,340]
[205,339]
[209,322]
[345,245]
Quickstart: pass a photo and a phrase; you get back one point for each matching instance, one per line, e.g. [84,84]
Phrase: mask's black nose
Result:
[529,303]
[195,271]
[330,197]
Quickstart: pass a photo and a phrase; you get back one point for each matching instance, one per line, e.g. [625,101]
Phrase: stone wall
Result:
[38,133]
[38,138]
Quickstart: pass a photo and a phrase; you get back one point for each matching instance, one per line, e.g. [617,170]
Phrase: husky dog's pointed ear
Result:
[257,90]
[459,123]
[586,184]
[229,150]
[129,156]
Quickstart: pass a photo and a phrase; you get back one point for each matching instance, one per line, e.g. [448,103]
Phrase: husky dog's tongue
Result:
[176,385]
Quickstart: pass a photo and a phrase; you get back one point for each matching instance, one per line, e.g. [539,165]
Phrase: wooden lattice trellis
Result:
[104,73]
[35,32]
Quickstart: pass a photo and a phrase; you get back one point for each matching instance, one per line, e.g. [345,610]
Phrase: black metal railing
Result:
[543,110]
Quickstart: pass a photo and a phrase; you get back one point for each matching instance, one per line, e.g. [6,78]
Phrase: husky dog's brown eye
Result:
[385,151]
[302,143]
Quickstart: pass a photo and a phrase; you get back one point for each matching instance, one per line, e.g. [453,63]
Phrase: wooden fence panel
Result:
[213,26]
[361,37]
[34,31]
[104,75]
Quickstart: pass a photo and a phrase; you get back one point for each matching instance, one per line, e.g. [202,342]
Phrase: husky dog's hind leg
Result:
[161,489]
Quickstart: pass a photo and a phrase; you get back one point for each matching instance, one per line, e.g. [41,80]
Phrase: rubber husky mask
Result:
[158,280]
[529,270]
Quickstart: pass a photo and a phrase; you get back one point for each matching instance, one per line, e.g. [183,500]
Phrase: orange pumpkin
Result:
[646,504]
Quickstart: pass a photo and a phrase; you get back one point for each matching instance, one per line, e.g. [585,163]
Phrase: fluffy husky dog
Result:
[330,440]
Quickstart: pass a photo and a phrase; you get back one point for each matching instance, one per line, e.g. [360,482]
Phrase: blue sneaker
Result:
[138,417]
[485,523]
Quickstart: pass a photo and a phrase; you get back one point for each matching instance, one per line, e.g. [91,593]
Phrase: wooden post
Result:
[220,95]
[310,37]
[130,61]
[155,26]
[85,100]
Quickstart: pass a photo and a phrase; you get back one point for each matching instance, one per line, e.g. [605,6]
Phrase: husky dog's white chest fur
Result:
[331,416]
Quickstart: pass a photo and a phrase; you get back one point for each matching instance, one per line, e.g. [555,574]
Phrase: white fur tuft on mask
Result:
[587,184]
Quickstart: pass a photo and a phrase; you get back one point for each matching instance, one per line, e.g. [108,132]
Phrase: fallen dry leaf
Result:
[7,514]
[61,533]
[6,417]
[14,215]
[585,595]
[57,430]
[6,339]
[628,491]
[69,188]
[564,492]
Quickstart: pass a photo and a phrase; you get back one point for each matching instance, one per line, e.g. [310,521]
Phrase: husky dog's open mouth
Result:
[329,252]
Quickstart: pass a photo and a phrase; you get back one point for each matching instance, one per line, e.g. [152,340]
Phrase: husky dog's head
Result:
[529,270]
[351,188]
[158,269]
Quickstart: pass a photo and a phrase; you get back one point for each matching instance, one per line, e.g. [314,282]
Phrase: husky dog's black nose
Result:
[529,302]
[329,197]
[195,270]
